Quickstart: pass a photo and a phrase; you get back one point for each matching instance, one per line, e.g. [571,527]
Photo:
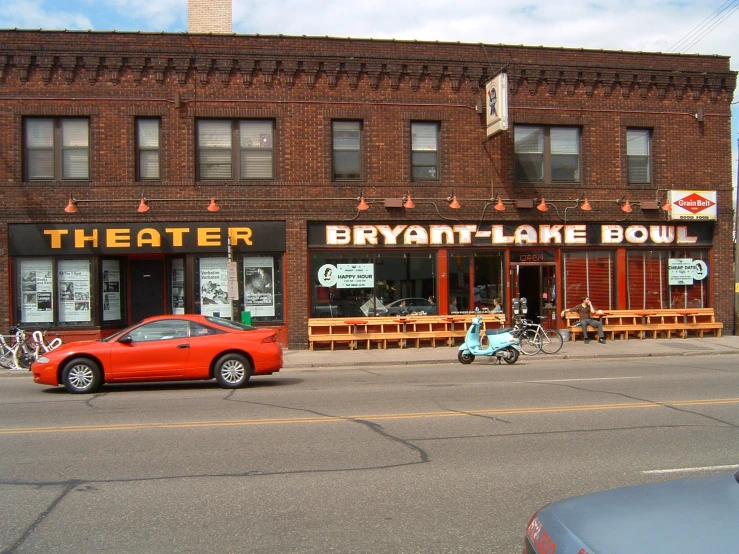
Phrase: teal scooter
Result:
[501,344]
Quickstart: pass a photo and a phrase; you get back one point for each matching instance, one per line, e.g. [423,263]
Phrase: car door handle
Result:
[183,346]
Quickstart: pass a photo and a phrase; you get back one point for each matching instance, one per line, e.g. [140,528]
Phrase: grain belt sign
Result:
[692,205]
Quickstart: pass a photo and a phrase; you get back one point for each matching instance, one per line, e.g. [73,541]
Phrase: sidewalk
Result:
[305,359]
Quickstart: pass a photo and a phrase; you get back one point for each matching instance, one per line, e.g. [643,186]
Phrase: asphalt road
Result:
[445,458]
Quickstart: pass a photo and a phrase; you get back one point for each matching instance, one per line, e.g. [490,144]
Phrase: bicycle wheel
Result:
[530,342]
[551,342]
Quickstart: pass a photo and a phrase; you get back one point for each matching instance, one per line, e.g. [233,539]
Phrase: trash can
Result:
[246,318]
[565,333]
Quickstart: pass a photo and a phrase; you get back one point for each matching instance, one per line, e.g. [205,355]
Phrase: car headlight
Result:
[42,360]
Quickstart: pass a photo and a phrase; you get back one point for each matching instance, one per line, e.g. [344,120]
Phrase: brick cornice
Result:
[379,71]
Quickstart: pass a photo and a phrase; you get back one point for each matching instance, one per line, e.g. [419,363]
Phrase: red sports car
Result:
[164,348]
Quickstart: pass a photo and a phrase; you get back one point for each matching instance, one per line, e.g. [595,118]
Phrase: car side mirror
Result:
[126,340]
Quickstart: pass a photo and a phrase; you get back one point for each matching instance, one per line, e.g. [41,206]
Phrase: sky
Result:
[686,26]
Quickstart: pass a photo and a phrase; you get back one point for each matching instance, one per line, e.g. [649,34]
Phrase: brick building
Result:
[133,166]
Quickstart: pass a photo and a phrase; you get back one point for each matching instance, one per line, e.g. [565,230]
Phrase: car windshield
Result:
[119,334]
[236,325]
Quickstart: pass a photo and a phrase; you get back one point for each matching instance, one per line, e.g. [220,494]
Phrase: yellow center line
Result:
[372,417]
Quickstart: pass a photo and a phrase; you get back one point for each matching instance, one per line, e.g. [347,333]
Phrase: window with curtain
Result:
[424,151]
[346,150]
[546,154]
[148,150]
[592,274]
[649,284]
[56,148]
[638,155]
[241,149]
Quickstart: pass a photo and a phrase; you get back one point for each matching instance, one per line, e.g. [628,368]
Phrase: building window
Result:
[56,148]
[592,274]
[648,280]
[547,154]
[347,150]
[148,150]
[57,291]
[241,148]
[638,155]
[261,285]
[424,151]
[393,277]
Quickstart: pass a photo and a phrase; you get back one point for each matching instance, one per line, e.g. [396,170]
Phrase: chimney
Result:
[209,16]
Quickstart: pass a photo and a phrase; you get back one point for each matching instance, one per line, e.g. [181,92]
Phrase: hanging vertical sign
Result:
[496,104]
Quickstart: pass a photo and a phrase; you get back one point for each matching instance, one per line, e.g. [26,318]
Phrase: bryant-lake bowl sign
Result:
[509,235]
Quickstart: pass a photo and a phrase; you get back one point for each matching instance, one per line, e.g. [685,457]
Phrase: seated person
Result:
[585,311]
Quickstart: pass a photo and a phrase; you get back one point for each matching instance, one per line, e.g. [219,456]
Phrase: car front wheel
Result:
[232,371]
[81,376]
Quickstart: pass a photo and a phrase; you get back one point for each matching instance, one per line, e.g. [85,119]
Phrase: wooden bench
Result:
[650,323]
[367,332]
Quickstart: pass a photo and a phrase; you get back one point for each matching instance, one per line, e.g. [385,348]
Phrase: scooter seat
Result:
[498,331]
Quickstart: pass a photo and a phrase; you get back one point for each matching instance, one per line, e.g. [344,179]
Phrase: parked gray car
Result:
[412,306]
[687,516]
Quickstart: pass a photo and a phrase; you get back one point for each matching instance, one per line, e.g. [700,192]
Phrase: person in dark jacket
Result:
[585,311]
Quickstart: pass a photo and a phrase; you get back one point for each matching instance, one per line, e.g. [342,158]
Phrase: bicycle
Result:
[20,354]
[533,338]
[23,352]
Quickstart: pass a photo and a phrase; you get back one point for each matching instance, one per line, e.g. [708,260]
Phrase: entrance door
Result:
[147,288]
[536,283]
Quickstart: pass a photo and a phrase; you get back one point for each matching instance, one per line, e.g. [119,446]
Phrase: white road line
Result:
[689,469]
[582,379]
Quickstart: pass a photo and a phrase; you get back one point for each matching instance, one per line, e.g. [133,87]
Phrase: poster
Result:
[214,300]
[177,292]
[37,285]
[111,290]
[259,284]
[74,290]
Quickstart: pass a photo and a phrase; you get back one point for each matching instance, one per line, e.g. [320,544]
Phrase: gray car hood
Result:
[688,516]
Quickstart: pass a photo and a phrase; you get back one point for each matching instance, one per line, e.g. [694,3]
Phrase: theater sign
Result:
[696,205]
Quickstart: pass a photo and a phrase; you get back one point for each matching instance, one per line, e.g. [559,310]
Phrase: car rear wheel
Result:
[232,371]
[81,376]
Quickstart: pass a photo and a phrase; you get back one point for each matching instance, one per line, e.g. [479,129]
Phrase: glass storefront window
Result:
[112,279]
[259,284]
[53,291]
[36,294]
[350,284]
[649,285]
[177,286]
[592,274]
[74,291]
[475,281]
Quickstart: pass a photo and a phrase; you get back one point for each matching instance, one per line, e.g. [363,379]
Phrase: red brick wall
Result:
[304,83]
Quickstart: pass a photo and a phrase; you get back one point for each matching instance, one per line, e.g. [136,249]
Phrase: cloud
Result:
[31,14]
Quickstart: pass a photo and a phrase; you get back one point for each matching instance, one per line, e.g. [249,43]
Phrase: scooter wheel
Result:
[510,355]
[466,357]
